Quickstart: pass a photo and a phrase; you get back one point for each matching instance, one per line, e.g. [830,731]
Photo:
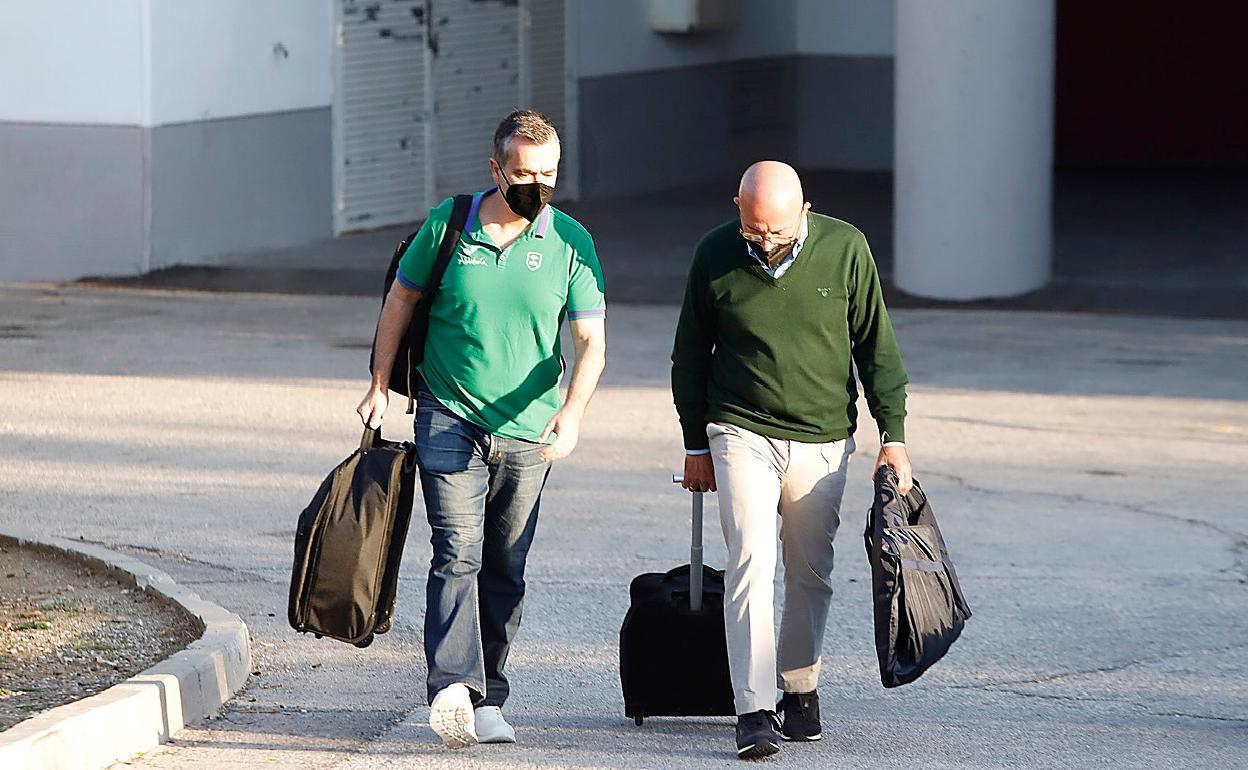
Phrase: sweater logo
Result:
[823,292]
[533,260]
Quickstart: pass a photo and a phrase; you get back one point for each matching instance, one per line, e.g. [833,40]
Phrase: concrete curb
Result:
[144,710]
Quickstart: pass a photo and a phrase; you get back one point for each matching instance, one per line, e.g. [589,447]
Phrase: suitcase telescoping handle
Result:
[695,550]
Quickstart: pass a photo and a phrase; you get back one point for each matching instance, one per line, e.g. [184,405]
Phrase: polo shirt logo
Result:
[533,260]
[823,292]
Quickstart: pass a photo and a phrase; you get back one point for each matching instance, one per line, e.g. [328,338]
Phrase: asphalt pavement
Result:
[1087,471]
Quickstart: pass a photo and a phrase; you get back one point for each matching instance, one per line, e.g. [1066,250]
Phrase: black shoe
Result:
[800,712]
[756,735]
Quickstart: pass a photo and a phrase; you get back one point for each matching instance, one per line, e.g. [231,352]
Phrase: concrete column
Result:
[974,147]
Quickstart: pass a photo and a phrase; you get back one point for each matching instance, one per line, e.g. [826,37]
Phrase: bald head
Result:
[770,198]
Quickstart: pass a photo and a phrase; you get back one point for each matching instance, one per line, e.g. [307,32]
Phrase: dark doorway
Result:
[1152,84]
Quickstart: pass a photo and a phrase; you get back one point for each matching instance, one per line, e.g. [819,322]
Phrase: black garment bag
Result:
[349,543]
[919,607]
[673,652]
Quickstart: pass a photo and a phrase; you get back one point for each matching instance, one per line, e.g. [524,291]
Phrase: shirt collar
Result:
[797,245]
[538,228]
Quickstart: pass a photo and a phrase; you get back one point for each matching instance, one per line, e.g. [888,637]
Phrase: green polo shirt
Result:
[492,354]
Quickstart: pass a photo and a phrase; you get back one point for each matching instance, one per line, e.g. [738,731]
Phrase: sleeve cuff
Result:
[893,443]
[579,315]
[406,284]
[892,432]
[695,439]
[692,452]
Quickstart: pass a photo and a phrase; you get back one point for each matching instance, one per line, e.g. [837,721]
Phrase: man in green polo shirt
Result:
[780,306]
[487,405]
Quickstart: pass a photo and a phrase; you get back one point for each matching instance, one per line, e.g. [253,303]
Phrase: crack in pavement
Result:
[1123,701]
[174,556]
[1062,429]
[1234,720]
[1240,537]
[1000,686]
[1240,569]
[1069,698]
[1239,540]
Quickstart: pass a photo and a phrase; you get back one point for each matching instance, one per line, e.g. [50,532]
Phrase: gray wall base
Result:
[74,200]
[225,186]
[658,130]
[71,201]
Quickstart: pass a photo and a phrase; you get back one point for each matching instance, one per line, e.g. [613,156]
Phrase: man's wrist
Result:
[893,443]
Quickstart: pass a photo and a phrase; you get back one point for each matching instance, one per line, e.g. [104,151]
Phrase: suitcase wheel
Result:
[365,641]
[318,636]
[637,721]
[382,627]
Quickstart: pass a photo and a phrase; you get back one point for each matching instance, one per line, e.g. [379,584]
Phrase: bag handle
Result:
[370,436]
[695,550]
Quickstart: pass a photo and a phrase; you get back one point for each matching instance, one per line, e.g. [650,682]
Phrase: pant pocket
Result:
[444,442]
[836,454]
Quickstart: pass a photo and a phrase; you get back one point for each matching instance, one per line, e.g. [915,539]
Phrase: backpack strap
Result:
[450,239]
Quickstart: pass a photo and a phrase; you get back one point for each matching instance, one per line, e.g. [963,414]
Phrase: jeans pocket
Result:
[445,443]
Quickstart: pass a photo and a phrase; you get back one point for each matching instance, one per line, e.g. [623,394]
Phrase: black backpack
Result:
[412,344]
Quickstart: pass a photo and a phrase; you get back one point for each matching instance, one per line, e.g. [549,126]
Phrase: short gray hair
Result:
[529,124]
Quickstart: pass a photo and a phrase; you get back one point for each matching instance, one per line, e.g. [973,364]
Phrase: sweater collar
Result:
[781,268]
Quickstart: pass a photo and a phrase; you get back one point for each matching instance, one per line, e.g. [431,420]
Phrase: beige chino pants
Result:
[758,478]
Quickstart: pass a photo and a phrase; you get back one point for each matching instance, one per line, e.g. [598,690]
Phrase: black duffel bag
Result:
[919,607]
[349,543]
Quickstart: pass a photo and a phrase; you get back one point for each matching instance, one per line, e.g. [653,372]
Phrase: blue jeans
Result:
[481,495]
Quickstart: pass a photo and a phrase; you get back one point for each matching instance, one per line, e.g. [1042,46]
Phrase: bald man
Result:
[779,306]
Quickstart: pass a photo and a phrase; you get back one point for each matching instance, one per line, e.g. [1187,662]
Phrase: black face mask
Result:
[527,199]
[775,255]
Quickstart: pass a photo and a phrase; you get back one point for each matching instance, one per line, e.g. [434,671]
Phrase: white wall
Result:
[846,27]
[216,58]
[72,61]
[615,37]
[154,62]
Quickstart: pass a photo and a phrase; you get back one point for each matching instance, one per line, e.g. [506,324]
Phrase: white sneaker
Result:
[492,728]
[452,718]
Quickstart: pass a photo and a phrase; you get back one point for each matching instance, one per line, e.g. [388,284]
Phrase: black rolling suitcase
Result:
[673,653]
[349,543]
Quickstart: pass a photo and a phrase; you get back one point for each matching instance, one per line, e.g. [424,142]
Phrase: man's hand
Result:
[396,314]
[373,406]
[899,460]
[589,338]
[566,425]
[699,473]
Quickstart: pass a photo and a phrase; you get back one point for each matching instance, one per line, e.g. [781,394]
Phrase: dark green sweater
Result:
[773,356]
